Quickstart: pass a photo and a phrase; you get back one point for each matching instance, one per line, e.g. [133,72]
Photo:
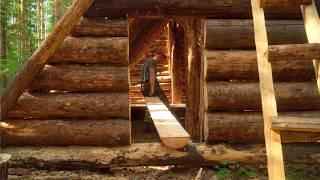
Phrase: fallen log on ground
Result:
[89,50]
[82,78]
[209,8]
[155,154]
[101,27]
[246,96]
[71,105]
[238,34]
[52,132]
[242,65]
[248,127]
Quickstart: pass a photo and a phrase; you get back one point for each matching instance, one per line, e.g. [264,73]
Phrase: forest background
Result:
[24,25]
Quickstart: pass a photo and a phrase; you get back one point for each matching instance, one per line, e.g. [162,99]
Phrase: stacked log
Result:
[233,99]
[82,96]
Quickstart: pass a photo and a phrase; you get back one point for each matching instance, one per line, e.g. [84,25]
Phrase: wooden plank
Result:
[171,133]
[269,106]
[37,61]
[294,52]
[280,3]
[312,26]
[289,123]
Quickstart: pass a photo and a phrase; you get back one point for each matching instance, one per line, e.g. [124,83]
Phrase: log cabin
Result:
[246,71]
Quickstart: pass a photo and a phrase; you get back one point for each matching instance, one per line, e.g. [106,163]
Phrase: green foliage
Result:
[224,173]
[228,169]
[246,172]
[297,173]
[10,15]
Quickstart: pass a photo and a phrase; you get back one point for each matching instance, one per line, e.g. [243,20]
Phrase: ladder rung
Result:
[289,123]
[292,52]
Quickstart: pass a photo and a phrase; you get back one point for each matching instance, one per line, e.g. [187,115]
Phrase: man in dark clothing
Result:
[149,84]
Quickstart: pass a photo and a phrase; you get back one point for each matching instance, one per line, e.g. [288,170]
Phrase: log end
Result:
[176,142]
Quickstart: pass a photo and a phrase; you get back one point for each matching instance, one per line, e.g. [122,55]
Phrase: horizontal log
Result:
[82,78]
[281,3]
[101,27]
[246,96]
[293,52]
[71,105]
[89,50]
[294,123]
[248,127]
[209,8]
[242,65]
[238,34]
[65,132]
[155,154]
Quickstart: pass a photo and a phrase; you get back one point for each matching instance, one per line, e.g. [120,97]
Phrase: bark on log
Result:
[293,52]
[242,65]
[246,96]
[155,154]
[281,3]
[238,34]
[53,132]
[101,27]
[248,127]
[37,61]
[71,105]
[82,78]
[208,8]
[88,50]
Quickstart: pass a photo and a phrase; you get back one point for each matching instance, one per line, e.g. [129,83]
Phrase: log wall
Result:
[231,90]
[82,96]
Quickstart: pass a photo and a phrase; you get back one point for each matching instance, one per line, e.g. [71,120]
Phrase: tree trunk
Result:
[4,48]
[211,8]
[82,78]
[89,50]
[53,132]
[71,105]
[238,34]
[155,154]
[101,27]
[193,49]
[248,127]
[242,65]
[294,52]
[246,96]
[57,10]
[39,25]
[38,60]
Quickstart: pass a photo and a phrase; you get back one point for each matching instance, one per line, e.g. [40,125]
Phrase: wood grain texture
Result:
[208,8]
[293,52]
[241,65]
[52,132]
[101,27]
[37,61]
[71,105]
[294,123]
[170,131]
[268,99]
[154,154]
[88,50]
[247,126]
[239,34]
[77,78]
[246,96]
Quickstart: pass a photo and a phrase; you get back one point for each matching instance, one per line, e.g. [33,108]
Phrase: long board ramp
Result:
[170,131]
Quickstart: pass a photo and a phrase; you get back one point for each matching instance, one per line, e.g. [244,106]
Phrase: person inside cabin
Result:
[149,84]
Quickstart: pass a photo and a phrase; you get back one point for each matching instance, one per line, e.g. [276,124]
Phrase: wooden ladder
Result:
[265,55]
